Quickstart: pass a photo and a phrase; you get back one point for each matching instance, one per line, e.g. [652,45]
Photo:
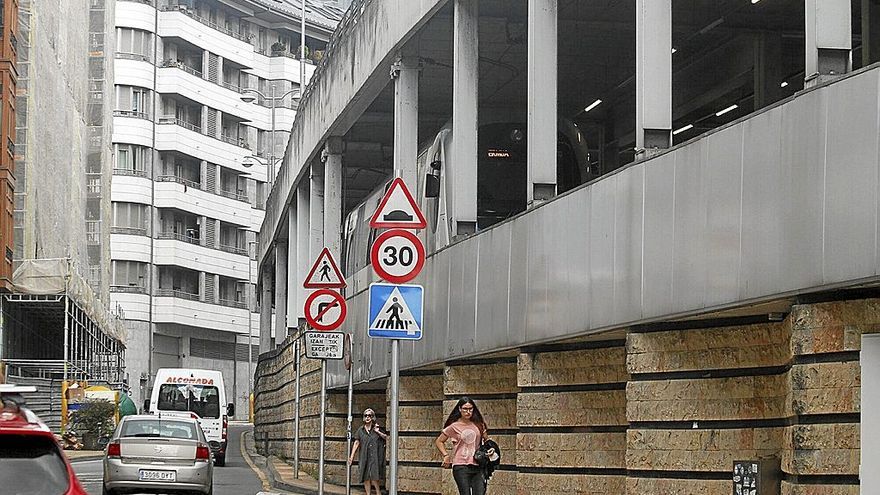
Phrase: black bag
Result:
[481,456]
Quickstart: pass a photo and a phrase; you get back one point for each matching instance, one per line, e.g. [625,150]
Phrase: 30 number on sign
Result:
[397,256]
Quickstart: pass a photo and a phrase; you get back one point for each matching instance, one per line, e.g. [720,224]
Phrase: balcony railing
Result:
[180,122]
[233,87]
[131,113]
[233,195]
[128,230]
[207,22]
[176,293]
[146,2]
[182,66]
[179,237]
[234,249]
[129,172]
[128,289]
[236,141]
[232,303]
[133,56]
[179,180]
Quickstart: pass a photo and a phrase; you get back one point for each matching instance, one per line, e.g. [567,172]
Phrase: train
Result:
[501,185]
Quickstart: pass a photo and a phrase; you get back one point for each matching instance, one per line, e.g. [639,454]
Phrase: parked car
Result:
[31,461]
[158,454]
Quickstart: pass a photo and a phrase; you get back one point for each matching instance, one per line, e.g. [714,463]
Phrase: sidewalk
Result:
[281,475]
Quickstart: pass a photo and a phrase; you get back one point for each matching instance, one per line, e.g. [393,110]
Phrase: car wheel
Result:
[220,460]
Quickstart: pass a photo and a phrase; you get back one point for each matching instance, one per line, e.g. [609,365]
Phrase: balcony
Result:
[232,303]
[180,251]
[178,294]
[179,237]
[207,22]
[180,65]
[128,231]
[133,56]
[128,289]
[174,306]
[134,301]
[238,196]
[131,113]
[179,180]
[179,122]
[233,249]
[130,244]
[181,22]
[197,201]
[129,172]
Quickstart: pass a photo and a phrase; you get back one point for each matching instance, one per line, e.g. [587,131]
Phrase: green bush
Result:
[95,417]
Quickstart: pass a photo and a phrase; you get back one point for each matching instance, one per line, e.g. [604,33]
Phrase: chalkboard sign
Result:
[746,478]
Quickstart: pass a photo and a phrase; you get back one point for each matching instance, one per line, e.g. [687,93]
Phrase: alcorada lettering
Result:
[189,380]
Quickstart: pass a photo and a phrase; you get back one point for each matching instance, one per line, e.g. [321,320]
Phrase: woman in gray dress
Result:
[370,440]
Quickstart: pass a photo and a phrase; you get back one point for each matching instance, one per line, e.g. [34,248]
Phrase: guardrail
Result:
[131,113]
[232,303]
[179,180]
[128,289]
[233,249]
[128,230]
[129,172]
[233,195]
[179,237]
[133,56]
[182,66]
[179,122]
[178,294]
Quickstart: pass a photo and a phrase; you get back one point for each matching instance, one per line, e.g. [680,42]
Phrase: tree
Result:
[94,420]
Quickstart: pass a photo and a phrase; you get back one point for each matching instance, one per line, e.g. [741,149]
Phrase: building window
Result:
[132,101]
[129,273]
[130,218]
[134,43]
[131,159]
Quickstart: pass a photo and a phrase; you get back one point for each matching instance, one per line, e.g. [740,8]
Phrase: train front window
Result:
[501,173]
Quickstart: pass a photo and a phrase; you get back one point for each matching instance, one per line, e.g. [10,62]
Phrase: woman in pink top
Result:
[467,430]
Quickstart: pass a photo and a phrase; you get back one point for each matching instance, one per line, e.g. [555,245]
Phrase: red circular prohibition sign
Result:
[313,320]
[375,252]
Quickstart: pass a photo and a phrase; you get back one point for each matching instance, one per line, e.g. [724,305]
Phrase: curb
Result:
[84,458]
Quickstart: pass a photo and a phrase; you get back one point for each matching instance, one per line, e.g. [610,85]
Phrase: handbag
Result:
[481,456]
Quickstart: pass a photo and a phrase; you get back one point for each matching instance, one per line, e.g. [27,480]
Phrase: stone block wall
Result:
[571,416]
[700,398]
[667,410]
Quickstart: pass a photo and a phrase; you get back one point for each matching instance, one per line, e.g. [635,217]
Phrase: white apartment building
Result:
[192,169]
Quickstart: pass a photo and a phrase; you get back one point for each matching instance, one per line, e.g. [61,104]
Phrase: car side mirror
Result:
[432,186]
[230,409]
[146,405]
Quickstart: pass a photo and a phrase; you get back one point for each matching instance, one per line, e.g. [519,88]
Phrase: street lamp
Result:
[252,293]
[248,98]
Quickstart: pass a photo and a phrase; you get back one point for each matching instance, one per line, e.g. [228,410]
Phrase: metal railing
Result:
[131,113]
[233,195]
[182,66]
[207,22]
[133,56]
[177,293]
[232,303]
[179,122]
[130,172]
[146,2]
[233,87]
[179,180]
[233,249]
[236,141]
[179,237]
[128,289]
[128,230]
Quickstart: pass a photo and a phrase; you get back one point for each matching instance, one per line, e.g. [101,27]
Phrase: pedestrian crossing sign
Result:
[396,311]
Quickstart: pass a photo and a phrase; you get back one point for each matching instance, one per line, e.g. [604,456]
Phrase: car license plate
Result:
[144,475]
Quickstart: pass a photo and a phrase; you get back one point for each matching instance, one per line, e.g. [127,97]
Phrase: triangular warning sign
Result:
[395,315]
[398,209]
[325,273]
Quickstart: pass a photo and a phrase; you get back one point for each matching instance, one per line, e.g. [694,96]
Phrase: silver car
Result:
[156,454]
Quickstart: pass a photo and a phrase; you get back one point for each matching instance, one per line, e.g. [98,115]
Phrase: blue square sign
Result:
[396,311]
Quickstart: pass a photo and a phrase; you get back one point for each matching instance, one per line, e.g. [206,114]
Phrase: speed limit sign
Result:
[397,256]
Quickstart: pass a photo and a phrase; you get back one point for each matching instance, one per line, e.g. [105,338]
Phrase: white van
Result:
[199,394]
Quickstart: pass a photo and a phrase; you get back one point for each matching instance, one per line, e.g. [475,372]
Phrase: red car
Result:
[31,461]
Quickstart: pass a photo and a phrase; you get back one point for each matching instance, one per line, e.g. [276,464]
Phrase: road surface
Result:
[236,478]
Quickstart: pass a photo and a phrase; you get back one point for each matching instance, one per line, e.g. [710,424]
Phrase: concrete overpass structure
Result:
[700,298]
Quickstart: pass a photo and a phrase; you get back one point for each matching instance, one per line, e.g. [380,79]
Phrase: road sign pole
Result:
[395,396]
[323,420]
[298,348]
[348,424]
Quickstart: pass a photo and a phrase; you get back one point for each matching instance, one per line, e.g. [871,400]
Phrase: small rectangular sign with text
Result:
[324,345]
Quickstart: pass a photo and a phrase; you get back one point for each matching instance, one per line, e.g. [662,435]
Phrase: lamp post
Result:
[251,306]
[249,98]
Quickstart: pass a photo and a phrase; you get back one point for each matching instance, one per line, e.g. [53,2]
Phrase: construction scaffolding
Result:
[54,327]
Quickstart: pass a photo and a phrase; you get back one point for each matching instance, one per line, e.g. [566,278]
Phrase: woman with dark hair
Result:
[466,428]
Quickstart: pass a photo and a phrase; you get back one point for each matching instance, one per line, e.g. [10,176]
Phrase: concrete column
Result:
[266,343]
[333,200]
[305,257]
[281,287]
[870,32]
[294,283]
[465,84]
[219,70]
[406,117]
[203,174]
[768,68]
[316,213]
[653,76]
[542,79]
[202,295]
[828,49]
